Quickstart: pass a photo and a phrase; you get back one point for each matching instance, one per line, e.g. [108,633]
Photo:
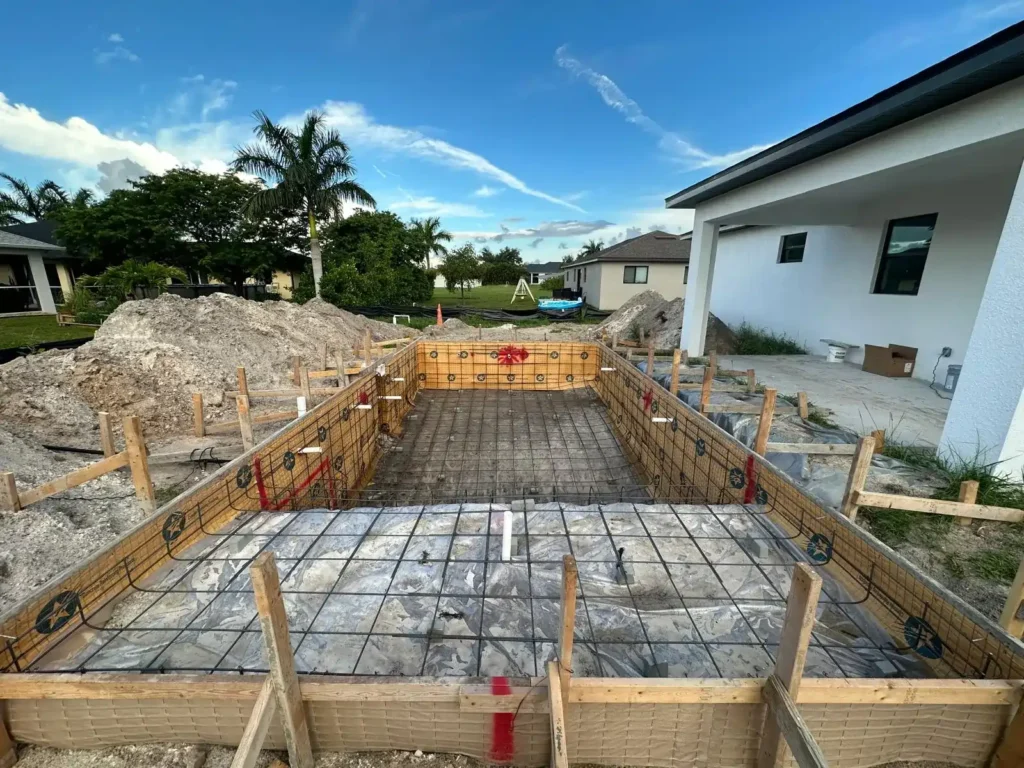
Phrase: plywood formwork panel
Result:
[503,365]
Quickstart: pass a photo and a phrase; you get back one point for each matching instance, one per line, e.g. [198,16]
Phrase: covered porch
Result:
[33,280]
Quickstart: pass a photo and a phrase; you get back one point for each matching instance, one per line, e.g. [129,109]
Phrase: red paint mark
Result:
[511,355]
[364,399]
[748,493]
[648,399]
[278,506]
[503,725]
[258,471]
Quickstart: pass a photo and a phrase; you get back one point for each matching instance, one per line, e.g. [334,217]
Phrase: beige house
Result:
[657,261]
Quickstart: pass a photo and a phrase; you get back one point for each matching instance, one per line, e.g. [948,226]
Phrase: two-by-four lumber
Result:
[135,447]
[857,477]
[304,386]
[705,389]
[801,405]
[751,381]
[107,434]
[751,408]
[1012,617]
[936,506]
[367,346]
[570,577]
[256,728]
[968,495]
[198,417]
[764,423]
[8,749]
[1010,752]
[839,449]
[791,656]
[243,381]
[556,702]
[227,427]
[650,360]
[10,500]
[274,625]
[72,479]
[788,720]
[677,355]
[245,422]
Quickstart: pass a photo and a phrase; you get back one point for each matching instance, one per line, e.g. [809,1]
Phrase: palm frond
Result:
[266,201]
[352,192]
[257,160]
[281,141]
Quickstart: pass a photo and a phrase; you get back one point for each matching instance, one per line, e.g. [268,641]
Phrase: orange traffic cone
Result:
[439,320]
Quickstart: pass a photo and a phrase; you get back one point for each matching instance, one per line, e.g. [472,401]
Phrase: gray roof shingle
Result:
[11,240]
[656,246]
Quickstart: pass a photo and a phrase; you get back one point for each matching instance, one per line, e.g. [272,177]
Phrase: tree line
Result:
[463,267]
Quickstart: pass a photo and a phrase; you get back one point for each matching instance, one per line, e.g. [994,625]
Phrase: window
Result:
[903,255]
[791,250]
[686,274]
[636,275]
[584,274]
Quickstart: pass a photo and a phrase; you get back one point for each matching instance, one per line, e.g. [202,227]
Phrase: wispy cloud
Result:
[566,228]
[970,20]
[208,94]
[431,206]
[116,53]
[115,38]
[378,170]
[359,127]
[486,191]
[671,142]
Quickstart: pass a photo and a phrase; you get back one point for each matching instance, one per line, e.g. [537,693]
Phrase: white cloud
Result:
[486,191]
[117,52]
[671,142]
[115,38]
[430,206]
[358,127]
[205,94]
[378,170]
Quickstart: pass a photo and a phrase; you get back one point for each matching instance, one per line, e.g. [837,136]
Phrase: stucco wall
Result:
[590,282]
[829,294]
[666,279]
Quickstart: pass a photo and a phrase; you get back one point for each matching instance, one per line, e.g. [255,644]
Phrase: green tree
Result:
[505,266]
[34,203]
[590,248]
[568,259]
[122,280]
[432,236]
[311,171]
[460,268]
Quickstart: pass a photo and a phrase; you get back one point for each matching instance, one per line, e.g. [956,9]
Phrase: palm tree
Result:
[311,170]
[430,233]
[23,200]
[591,248]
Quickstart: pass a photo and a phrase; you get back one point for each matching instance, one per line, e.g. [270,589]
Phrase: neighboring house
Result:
[439,282]
[607,279]
[900,220]
[35,274]
[541,272]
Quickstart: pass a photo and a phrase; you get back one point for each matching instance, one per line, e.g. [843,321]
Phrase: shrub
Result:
[751,340]
[552,283]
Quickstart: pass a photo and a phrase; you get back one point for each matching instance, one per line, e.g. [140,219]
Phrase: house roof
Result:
[994,61]
[43,231]
[547,267]
[11,241]
[655,246]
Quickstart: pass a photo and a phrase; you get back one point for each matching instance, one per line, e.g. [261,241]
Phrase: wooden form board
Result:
[524,365]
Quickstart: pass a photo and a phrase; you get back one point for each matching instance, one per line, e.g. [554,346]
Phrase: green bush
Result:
[751,340]
[553,283]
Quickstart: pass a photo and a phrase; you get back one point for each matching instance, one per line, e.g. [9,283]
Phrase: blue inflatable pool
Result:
[560,303]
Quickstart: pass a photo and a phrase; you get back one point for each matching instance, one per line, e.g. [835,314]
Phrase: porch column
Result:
[703,248]
[987,412]
[42,283]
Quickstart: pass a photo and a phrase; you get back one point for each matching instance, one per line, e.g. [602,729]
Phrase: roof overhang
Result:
[992,62]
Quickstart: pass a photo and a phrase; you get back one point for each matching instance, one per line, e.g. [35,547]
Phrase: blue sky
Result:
[539,125]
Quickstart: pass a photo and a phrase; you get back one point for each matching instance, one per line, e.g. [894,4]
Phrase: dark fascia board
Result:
[626,260]
[994,61]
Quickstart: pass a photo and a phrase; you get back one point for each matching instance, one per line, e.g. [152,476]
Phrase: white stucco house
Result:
[538,273]
[35,274]
[657,261]
[899,220]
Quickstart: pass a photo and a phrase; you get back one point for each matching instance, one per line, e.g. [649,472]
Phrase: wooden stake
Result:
[296,365]
[879,435]
[764,424]
[791,655]
[641,339]
[686,358]
[615,342]
[801,405]
[107,434]
[135,447]
[243,383]
[198,418]
[1012,617]
[713,363]
[968,495]
[245,422]
[10,501]
[255,732]
[367,347]
[1010,753]
[570,576]
[751,381]
[650,359]
[677,354]
[8,749]
[705,388]
[559,749]
[304,386]
[858,476]
[274,624]
[784,714]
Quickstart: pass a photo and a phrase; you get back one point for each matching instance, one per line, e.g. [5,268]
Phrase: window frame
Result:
[625,271]
[884,255]
[783,248]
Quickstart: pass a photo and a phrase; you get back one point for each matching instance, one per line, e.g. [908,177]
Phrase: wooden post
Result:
[135,445]
[367,347]
[858,476]
[801,405]
[615,343]
[296,365]
[107,434]
[968,495]
[751,381]
[705,387]
[245,422]
[783,712]
[556,703]
[641,339]
[9,499]
[713,363]
[304,386]
[686,359]
[570,576]
[8,749]
[764,424]
[677,355]
[791,655]
[274,624]
[198,418]
[879,435]
[1010,752]
[243,382]
[255,732]
[1012,617]
[650,358]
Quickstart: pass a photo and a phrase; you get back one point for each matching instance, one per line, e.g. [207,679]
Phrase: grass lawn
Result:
[488,297]
[35,329]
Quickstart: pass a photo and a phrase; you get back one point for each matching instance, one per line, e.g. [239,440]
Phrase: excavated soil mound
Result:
[651,312]
[151,355]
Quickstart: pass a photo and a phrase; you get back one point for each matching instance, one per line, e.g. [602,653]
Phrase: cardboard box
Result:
[892,361]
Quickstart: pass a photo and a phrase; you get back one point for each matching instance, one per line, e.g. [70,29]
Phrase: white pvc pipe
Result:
[506,536]
[301,404]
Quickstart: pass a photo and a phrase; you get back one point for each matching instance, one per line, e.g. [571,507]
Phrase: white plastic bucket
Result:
[836,354]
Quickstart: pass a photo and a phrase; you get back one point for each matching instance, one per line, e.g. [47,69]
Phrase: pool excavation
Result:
[521,552]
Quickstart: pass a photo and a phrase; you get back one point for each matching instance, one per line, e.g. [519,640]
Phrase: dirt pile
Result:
[149,356]
[664,319]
